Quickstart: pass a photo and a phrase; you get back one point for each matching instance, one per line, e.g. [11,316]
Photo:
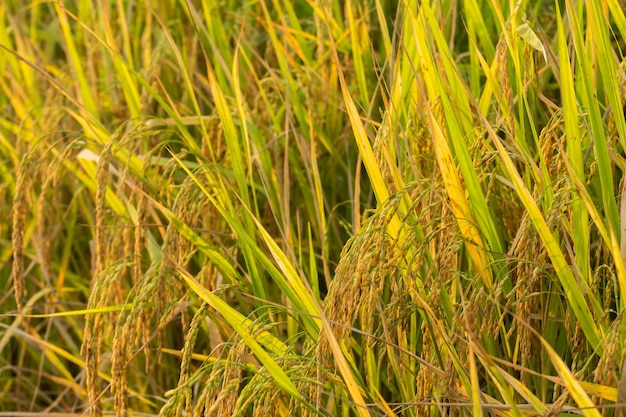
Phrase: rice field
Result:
[312,208]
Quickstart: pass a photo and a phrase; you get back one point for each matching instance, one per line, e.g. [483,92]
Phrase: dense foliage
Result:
[300,208]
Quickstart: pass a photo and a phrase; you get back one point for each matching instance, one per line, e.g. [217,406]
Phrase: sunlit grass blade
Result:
[617,13]
[239,322]
[599,28]
[478,33]
[122,68]
[574,150]
[456,193]
[475,392]
[346,370]
[505,381]
[360,50]
[590,101]
[296,36]
[384,29]
[571,383]
[82,88]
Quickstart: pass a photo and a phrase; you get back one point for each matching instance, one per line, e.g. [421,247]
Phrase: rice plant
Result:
[312,208]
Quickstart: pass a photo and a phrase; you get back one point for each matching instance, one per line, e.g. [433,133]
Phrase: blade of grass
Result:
[590,101]
[122,67]
[83,88]
[459,203]
[580,218]
[242,325]
[598,27]
[365,148]
[475,384]
[571,383]
[360,51]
